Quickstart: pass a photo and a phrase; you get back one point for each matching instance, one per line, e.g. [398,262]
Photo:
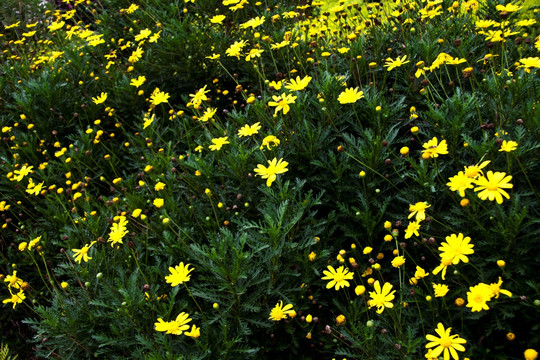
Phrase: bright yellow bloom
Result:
[248,130]
[199,97]
[218,143]
[218,19]
[418,209]
[460,183]
[478,296]
[159,97]
[82,254]
[118,231]
[530,354]
[20,174]
[282,102]
[445,344]
[158,202]
[175,327]
[194,333]
[298,84]
[508,146]
[179,274]
[508,8]
[33,243]
[338,278]
[412,229]
[440,290]
[15,298]
[100,99]
[274,168]
[392,64]
[280,312]
[236,48]
[270,141]
[433,148]
[208,114]
[138,81]
[473,171]
[496,289]
[253,23]
[445,262]
[456,248]
[381,297]
[159,186]
[492,185]
[13,281]
[56,25]
[398,261]
[350,96]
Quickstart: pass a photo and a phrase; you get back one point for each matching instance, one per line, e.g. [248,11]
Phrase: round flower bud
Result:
[370,323]
[216,306]
[64,284]
[340,319]
[404,150]
[464,202]
[501,263]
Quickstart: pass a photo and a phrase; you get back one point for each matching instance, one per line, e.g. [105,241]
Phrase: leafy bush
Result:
[198,179]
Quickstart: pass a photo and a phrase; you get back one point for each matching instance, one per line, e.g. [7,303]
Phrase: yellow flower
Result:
[82,254]
[350,96]
[159,97]
[15,298]
[312,256]
[298,84]
[418,209]
[274,168]
[56,25]
[381,297]
[456,248]
[392,64]
[194,333]
[179,274]
[359,290]
[218,143]
[159,186]
[248,130]
[445,262]
[268,141]
[199,97]
[158,202]
[420,273]
[496,289]
[338,278]
[138,81]
[445,344]
[280,312]
[100,99]
[508,146]
[208,114]
[236,48]
[478,296]
[440,290]
[473,171]
[412,229]
[433,148]
[398,261]
[282,102]
[175,327]
[529,354]
[460,183]
[13,281]
[492,185]
[218,19]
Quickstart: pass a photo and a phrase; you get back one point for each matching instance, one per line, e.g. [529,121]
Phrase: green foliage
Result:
[262,187]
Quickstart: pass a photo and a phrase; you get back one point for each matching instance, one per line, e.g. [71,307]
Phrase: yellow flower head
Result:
[280,312]
[491,186]
[350,96]
[274,168]
[381,297]
[338,278]
[179,274]
[445,344]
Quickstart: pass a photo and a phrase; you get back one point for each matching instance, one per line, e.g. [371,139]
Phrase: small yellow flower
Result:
[159,202]
[100,99]
[508,146]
